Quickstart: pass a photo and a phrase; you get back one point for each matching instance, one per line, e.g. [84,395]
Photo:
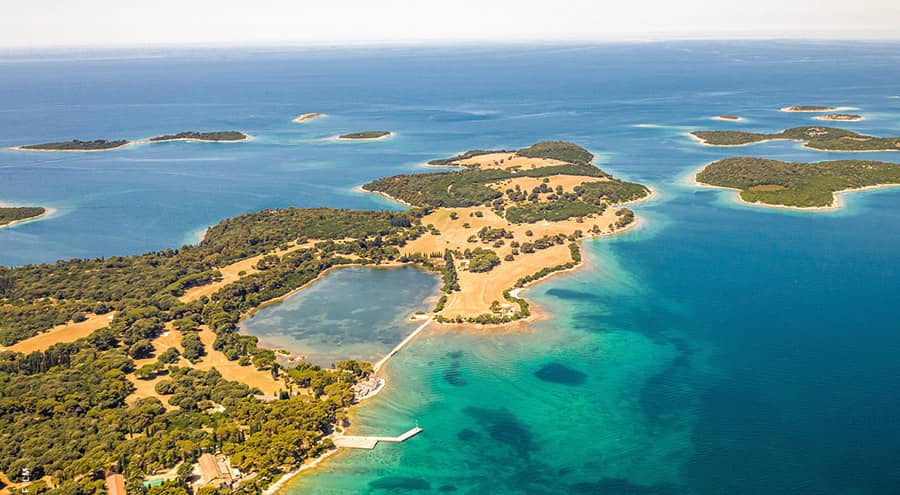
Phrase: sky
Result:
[68,23]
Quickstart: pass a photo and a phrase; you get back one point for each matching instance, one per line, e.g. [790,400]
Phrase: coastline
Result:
[359,188]
[48,211]
[836,204]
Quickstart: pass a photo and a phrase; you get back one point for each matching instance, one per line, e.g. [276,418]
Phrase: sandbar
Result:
[306,117]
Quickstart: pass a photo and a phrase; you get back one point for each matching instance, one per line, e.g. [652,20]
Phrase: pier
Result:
[409,338]
[369,443]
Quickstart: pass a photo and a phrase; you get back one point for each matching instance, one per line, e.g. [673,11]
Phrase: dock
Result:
[369,443]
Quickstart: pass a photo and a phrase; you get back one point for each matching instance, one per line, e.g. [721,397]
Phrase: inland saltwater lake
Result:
[716,349]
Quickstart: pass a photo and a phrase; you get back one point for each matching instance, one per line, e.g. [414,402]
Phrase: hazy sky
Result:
[42,23]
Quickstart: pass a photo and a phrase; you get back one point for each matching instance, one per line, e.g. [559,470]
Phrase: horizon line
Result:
[425,43]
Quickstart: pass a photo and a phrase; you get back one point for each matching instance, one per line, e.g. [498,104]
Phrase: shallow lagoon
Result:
[352,313]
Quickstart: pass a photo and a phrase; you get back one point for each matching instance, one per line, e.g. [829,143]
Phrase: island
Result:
[12,215]
[728,117]
[213,136]
[76,145]
[134,366]
[817,138]
[846,117]
[307,117]
[365,135]
[797,185]
[810,108]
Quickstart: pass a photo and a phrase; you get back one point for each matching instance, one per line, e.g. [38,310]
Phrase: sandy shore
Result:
[278,485]
[836,204]
[306,117]
[384,195]
[48,212]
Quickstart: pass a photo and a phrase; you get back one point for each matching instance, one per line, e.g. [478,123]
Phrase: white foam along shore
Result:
[247,137]
[48,212]
[836,203]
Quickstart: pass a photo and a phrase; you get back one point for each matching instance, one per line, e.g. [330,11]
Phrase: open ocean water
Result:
[716,349]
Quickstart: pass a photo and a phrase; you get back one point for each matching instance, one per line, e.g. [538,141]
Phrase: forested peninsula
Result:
[134,364]
[10,215]
[797,185]
[817,138]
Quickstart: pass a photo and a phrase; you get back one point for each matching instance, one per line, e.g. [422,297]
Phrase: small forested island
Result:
[809,108]
[307,116]
[11,215]
[77,145]
[107,145]
[817,138]
[134,364]
[365,135]
[845,117]
[202,136]
[797,185]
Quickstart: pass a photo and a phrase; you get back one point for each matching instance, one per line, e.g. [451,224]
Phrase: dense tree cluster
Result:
[15,213]
[796,184]
[819,137]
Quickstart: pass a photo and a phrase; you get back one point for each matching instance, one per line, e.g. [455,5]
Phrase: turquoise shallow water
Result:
[719,348]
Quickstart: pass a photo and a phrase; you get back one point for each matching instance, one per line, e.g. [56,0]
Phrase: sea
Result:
[717,348]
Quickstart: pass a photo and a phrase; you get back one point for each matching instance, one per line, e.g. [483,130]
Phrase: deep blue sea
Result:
[716,349]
